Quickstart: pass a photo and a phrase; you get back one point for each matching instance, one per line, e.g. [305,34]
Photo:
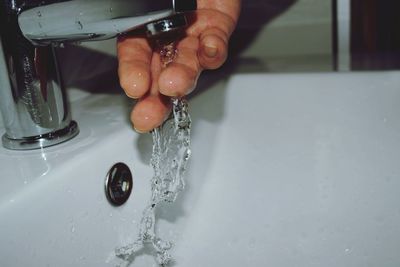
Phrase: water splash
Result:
[171,152]
[168,52]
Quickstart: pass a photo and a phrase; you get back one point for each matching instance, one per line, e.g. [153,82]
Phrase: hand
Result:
[204,46]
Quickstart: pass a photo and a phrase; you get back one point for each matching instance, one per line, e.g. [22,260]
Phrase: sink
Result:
[286,170]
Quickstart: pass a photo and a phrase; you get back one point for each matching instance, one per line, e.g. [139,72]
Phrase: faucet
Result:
[33,101]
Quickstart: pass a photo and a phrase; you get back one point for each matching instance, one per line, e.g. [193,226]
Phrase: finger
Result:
[180,76]
[229,7]
[206,19]
[152,109]
[213,48]
[150,112]
[134,56]
[213,28]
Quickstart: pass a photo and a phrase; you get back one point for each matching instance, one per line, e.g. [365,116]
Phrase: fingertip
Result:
[149,113]
[177,80]
[134,78]
[213,51]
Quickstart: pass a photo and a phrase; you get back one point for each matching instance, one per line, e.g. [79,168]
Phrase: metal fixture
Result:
[32,98]
[118,186]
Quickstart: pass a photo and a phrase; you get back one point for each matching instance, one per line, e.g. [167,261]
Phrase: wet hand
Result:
[204,46]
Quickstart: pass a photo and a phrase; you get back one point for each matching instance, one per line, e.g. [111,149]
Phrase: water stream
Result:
[171,152]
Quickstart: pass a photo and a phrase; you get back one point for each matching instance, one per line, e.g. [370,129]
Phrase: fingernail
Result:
[211,51]
[139,131]
[134,97]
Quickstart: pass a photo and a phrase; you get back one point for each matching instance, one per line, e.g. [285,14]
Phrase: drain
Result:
[118,186]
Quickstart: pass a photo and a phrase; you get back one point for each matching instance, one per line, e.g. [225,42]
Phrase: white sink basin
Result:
[287,170]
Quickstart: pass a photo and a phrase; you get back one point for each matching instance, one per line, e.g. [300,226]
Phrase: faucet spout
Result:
[69,21]
[32,96]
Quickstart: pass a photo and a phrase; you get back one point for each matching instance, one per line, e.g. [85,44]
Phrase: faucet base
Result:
[41,141]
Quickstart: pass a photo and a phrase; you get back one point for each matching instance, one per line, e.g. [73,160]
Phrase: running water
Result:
[171,152]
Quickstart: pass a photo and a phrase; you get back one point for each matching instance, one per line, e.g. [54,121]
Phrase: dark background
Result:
[375,34]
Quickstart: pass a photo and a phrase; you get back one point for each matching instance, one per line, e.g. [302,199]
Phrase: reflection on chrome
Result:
[32,98]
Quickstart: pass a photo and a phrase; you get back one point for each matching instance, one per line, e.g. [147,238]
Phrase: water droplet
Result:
[187,154]
[347,250]
[73,229]
[79,25]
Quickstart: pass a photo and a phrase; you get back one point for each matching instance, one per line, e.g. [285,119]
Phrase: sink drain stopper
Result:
[118,186]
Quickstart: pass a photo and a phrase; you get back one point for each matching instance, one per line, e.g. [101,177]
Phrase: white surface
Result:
[287,170]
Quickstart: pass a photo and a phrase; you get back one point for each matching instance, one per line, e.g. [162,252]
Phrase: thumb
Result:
[213,49]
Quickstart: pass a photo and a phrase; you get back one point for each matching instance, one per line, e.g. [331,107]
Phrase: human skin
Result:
[204,46]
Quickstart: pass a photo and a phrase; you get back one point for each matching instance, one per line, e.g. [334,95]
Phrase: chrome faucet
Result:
[32,97]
